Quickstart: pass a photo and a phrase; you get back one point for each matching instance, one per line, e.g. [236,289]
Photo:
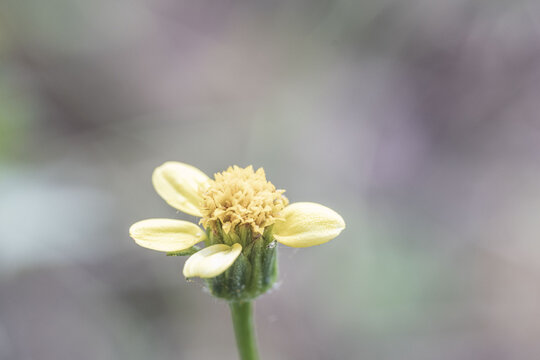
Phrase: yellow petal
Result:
[180,185]
[307,224]
[166,234]
[212,260]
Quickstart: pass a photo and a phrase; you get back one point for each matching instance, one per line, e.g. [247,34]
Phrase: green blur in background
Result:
[417,121]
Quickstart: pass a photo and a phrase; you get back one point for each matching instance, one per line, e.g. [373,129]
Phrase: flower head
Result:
[243,214]
[241,197]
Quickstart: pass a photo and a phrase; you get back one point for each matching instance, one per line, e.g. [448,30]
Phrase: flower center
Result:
[241,197]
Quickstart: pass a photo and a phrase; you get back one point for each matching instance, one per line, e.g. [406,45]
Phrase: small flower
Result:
[243,215]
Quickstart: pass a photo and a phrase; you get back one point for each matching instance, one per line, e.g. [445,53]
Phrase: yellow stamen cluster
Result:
[242,197]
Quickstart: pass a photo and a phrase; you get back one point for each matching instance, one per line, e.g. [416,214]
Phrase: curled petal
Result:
[166,234]
[180,185]
[211,261]
[306,224]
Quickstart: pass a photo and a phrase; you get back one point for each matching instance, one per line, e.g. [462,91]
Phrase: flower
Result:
[243,215]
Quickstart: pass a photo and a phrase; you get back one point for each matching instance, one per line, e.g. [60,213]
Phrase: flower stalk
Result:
[244,330]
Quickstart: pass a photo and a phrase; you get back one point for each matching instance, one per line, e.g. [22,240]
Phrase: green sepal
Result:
[249,276]
[255,270]
[232,283]
[190,251]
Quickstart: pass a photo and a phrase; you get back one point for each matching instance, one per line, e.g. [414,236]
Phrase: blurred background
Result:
[418,121]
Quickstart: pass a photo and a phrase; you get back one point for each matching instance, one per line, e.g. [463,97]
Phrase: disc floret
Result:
[241,196]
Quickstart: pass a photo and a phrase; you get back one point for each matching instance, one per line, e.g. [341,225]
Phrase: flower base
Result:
[253,273]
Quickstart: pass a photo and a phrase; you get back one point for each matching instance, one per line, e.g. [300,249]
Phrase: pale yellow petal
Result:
[166,234]
[180,185]
[307,224]
[211,261]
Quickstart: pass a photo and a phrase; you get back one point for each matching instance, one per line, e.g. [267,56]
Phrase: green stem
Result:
[242,317]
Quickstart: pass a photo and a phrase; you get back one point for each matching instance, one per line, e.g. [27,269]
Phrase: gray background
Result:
[418,121]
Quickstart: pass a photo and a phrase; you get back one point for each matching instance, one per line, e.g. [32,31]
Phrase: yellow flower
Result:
[235,201]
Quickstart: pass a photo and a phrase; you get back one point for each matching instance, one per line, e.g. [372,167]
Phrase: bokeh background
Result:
[417,120]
